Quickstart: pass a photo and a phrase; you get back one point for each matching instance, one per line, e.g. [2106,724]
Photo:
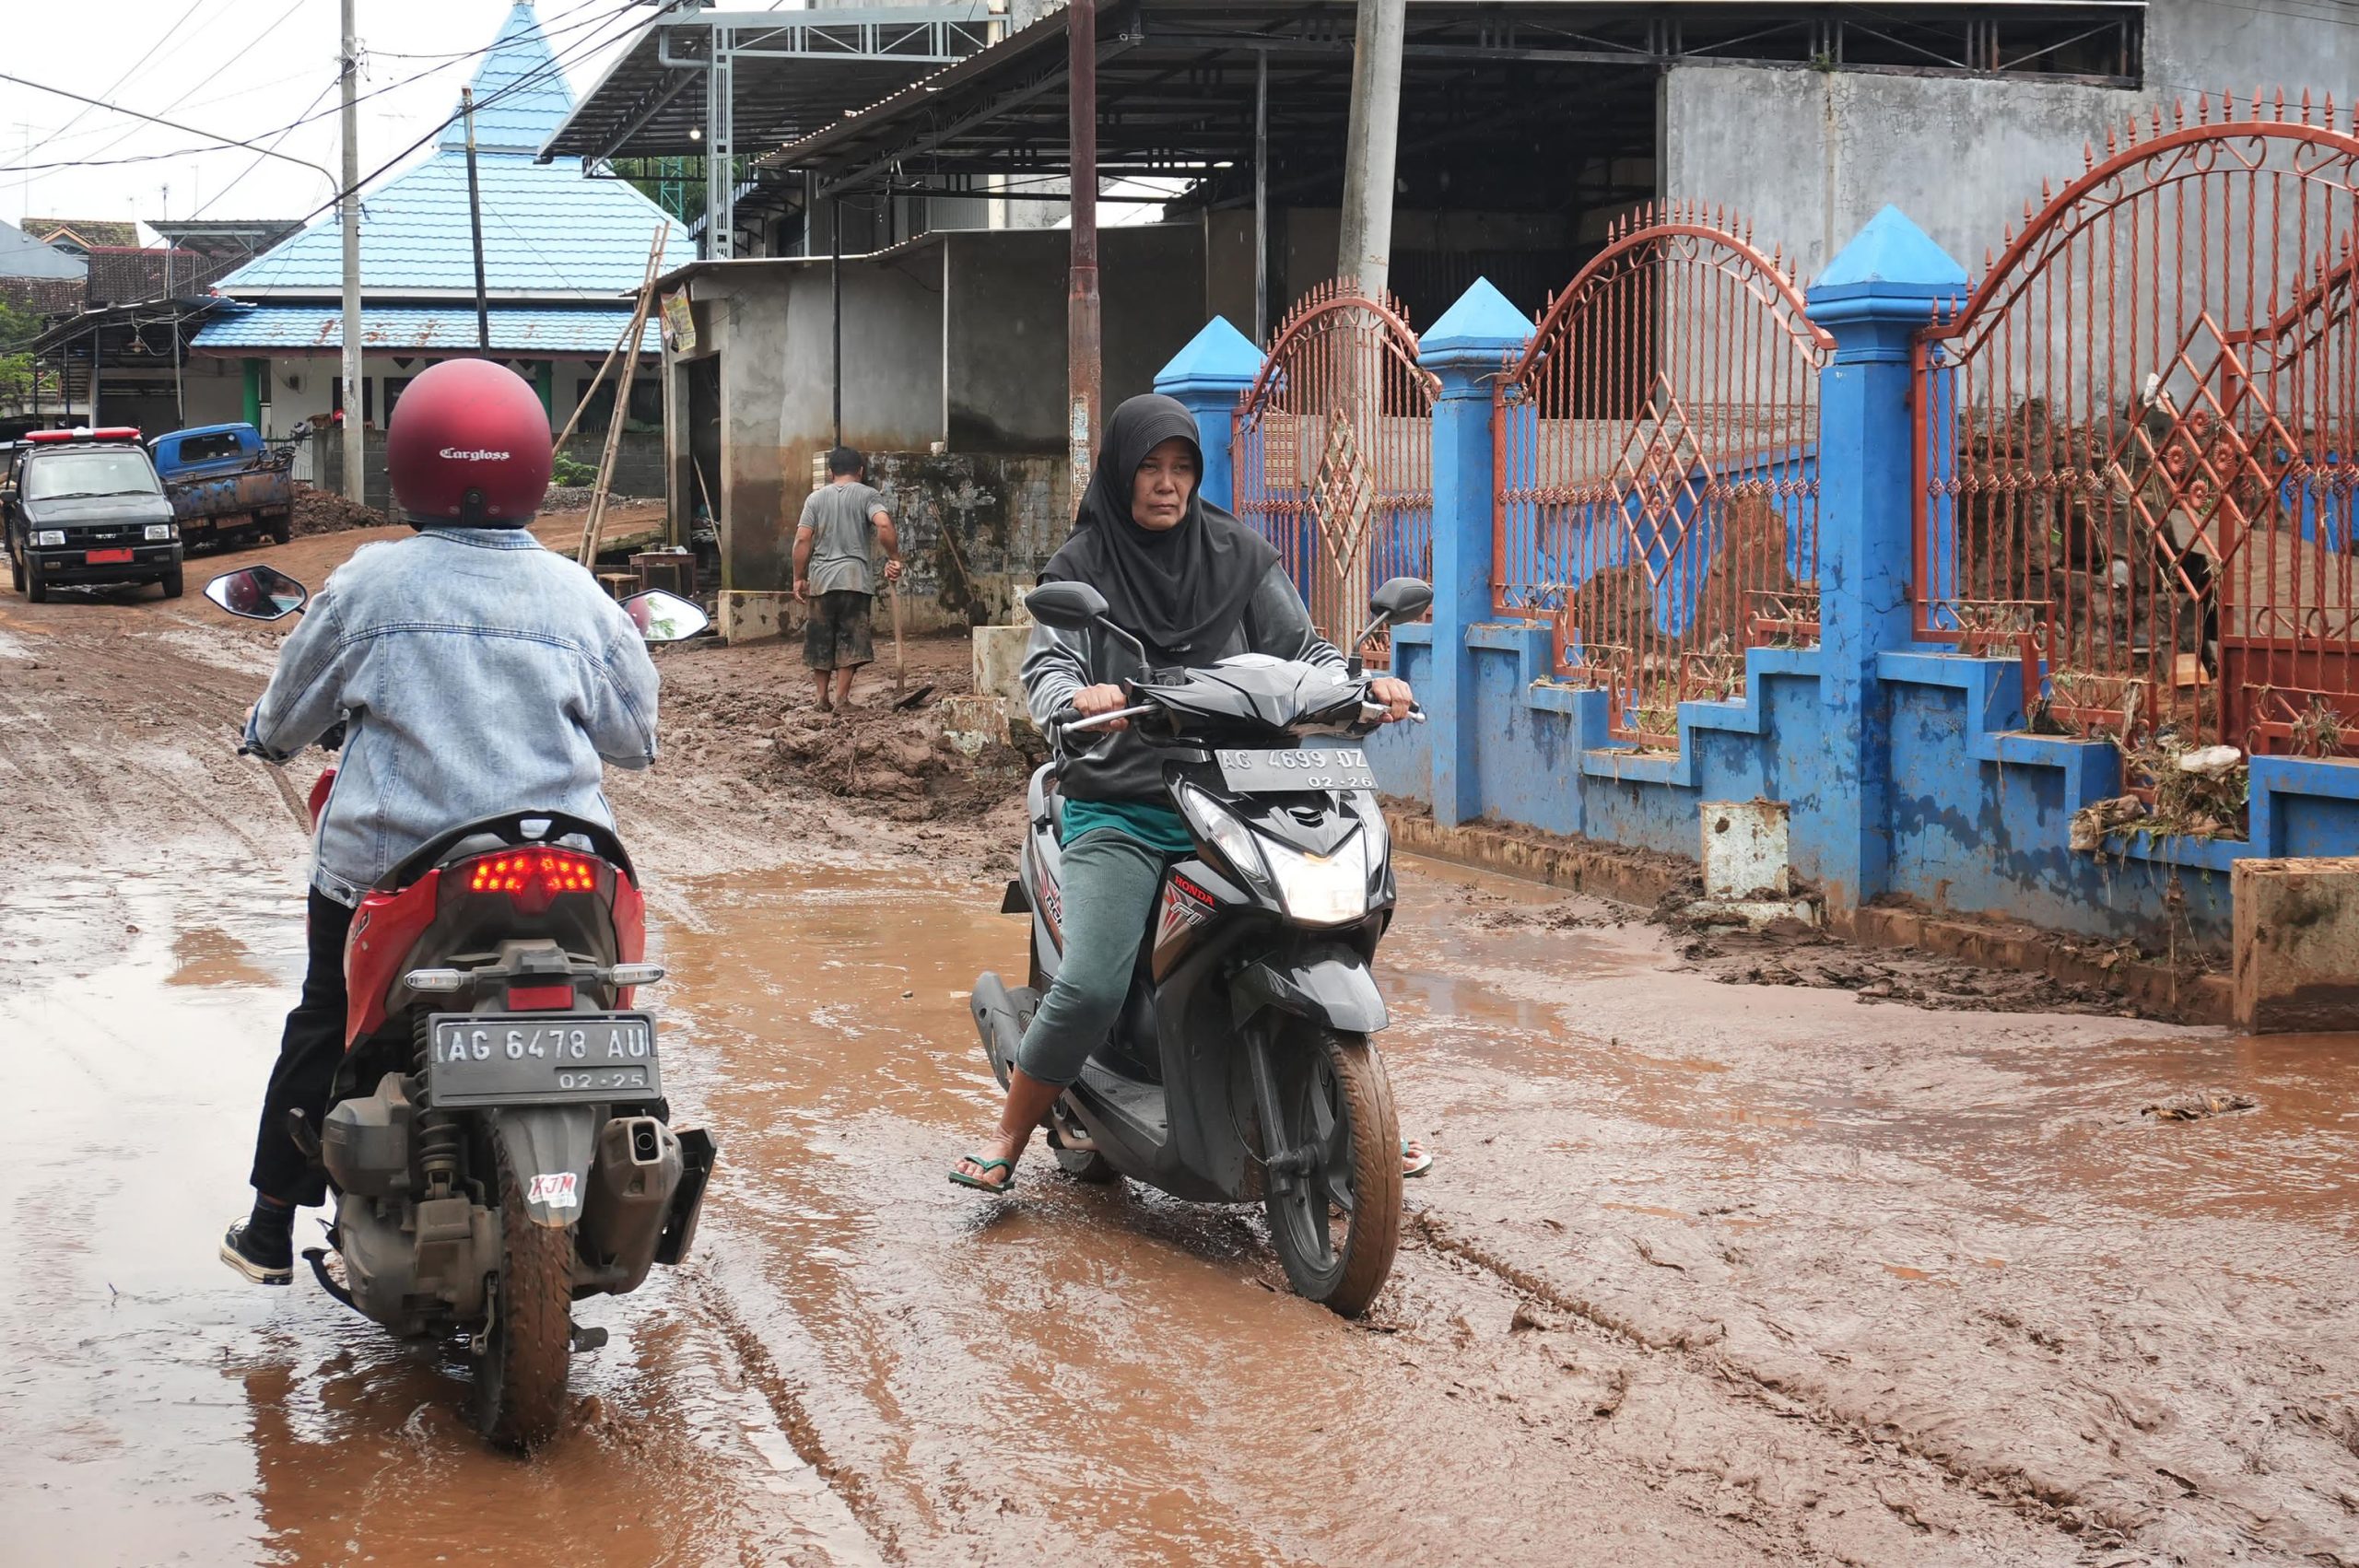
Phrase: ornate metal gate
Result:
[1335,454]
[2136,456]
[1657,480]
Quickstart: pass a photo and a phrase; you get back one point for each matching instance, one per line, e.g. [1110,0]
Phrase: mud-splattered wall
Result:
[973,527]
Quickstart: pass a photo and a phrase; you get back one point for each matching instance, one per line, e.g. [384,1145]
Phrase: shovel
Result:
[900,666]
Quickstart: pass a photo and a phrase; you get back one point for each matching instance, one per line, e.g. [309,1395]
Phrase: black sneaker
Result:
[266,1260]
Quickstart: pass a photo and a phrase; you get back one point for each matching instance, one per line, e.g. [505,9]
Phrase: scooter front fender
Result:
[1327,985]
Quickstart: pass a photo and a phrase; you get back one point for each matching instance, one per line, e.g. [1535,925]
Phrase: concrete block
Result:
[999,661]
[2296,945]
[971,723]
[1747,869]
[750,618]
[1746,853]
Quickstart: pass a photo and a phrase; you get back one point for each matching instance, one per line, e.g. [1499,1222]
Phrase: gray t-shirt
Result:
[838,515]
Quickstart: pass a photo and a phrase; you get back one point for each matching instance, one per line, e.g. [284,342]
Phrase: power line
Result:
[311,114]
[186,16]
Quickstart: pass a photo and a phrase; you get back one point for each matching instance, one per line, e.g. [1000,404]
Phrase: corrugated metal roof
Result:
[22,256]
[586,331]
[520,94]
[548,232]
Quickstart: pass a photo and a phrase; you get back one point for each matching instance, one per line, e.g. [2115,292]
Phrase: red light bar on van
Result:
[109,433]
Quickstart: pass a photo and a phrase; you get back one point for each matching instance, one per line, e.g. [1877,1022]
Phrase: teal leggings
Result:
[1110,885]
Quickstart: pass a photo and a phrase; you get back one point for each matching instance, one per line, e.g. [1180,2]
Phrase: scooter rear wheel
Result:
[519,1374]
[1337,1223]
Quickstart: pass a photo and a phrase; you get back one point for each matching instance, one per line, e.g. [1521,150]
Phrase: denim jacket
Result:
[476,673]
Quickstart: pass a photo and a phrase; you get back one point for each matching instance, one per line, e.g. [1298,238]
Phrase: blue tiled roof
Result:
[546,230]
[588,331]
[520,94]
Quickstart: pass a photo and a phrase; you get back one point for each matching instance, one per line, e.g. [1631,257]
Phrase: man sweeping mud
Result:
[833,575]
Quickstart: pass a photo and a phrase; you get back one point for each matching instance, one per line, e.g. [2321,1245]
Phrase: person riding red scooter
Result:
[474,672]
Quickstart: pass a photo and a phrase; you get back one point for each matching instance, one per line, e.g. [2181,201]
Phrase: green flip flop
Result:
[963,1179]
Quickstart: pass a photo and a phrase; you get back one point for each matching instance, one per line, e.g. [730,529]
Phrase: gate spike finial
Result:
[2047,194]
[2088,155]
[2281,106]
[2111,145]
[1989,262]
[2178,114]
[2329,122]
[2254,113]
[2203,107]
[2306,106]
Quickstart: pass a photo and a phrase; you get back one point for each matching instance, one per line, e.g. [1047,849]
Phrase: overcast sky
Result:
[248,69]
[245,69]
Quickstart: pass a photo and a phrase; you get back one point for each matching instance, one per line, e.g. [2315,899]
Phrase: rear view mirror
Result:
[665,617]
[258,593]
[1402,599]
[1065,606]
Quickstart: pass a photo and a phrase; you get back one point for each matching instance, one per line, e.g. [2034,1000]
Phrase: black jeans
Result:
[309,1053]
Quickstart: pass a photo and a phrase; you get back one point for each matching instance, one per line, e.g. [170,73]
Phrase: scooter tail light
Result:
[532,878]
[434,980]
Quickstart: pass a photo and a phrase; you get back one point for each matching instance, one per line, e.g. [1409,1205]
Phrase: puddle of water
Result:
[161,1411]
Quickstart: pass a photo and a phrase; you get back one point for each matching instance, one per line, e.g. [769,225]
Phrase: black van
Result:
[85,507]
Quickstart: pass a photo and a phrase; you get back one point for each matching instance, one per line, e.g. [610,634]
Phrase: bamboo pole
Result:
[593,526]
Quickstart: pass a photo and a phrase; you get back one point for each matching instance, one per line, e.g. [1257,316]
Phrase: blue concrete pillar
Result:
[1210,375]
[1873,296]
[1468,349]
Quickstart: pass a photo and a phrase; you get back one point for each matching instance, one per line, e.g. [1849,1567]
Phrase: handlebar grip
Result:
[1065,714]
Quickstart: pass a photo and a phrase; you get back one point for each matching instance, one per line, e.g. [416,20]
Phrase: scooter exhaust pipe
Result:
[631,1182]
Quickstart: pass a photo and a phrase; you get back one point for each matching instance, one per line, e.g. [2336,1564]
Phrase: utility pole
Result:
[1082,364]
[356,478]
[1371,143]
[474,223]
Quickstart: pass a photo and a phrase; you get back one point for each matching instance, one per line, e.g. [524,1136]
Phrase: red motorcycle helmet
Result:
[469,444]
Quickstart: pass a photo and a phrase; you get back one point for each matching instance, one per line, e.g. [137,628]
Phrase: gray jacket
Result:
[1057,665]
[476,673]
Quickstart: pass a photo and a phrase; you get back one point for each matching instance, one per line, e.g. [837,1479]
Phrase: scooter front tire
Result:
[1333,1093]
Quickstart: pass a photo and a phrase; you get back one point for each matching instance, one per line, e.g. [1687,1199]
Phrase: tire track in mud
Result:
[2016,1489]
[763,1373]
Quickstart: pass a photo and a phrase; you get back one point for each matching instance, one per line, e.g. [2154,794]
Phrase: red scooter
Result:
[498,1142]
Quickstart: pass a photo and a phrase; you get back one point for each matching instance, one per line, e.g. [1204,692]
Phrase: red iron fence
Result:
[2136,438]
[1335,454]
[1657,489]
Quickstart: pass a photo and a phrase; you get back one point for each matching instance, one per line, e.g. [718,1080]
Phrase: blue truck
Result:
[226,484]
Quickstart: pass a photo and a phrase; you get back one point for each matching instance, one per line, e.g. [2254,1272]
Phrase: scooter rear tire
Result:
[520,1376]
[1359,1178]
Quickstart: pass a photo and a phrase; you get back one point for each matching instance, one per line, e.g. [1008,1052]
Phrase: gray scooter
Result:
[1241,1066]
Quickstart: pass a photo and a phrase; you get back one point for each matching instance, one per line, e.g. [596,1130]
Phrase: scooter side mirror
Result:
[665,617]
[258,593]
[1065,606]
[1402,599]
[1398,598]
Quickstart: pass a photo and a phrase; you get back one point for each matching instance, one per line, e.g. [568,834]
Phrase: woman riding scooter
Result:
[1195,585]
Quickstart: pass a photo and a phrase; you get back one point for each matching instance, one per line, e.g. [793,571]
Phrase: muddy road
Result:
[1708,1273]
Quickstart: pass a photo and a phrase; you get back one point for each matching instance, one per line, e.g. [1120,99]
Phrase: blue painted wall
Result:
[1904,765]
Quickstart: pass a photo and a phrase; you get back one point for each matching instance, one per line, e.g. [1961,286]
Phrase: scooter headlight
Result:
[1321,890]
[1230,836]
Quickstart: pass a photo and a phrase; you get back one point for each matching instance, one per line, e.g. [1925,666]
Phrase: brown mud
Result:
[1705,1274]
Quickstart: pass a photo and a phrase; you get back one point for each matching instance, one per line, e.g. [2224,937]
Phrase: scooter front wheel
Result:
[1334,1207]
